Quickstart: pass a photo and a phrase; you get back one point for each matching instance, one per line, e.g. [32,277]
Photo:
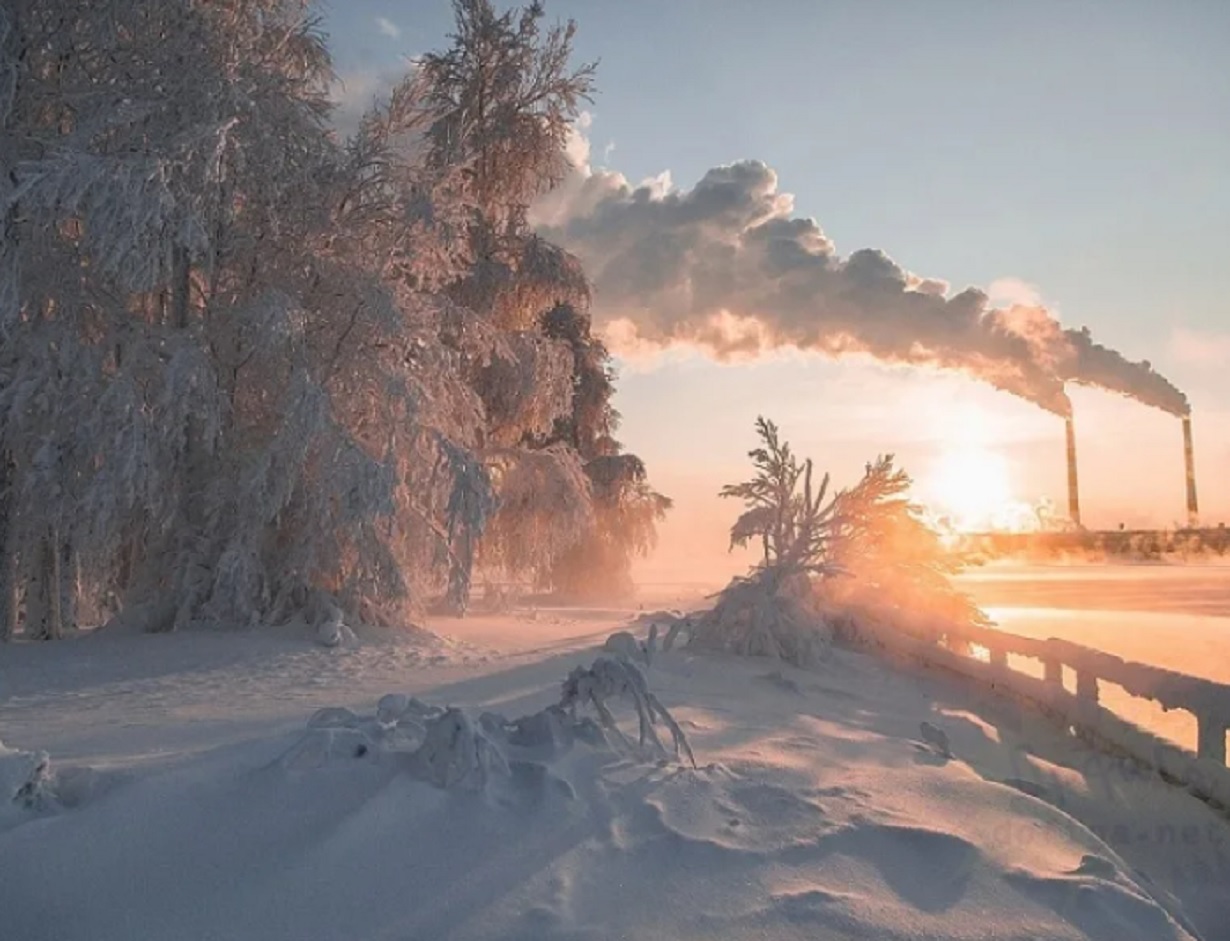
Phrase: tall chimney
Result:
[1074,497]
[1189,462]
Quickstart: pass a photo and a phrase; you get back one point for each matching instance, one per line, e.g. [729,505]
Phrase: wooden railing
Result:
[1202,770]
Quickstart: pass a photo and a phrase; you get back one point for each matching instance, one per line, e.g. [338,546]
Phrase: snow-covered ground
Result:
[817,811]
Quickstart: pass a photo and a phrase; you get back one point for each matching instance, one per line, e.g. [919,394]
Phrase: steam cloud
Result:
[727,266]
[1095,365]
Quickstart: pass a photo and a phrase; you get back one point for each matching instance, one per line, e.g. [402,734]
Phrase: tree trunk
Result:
[8,552]
[43,621]
[194,451]
[181,287]
[459,576]
[69,585]
[8,594]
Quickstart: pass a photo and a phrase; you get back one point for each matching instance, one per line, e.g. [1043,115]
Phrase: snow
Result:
[820,806]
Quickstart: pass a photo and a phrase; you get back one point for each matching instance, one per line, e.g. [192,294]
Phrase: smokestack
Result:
[1074,497]
[1189,461]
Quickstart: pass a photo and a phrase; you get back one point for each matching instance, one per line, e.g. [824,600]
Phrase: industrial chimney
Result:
[1189,462]
[1074,497]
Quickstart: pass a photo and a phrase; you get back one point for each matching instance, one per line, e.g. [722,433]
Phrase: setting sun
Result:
[972,487]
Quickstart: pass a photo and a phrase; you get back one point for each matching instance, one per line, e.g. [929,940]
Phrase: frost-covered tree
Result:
[626,508]
[497,105]
[626,513]
[243,363]
[831,564]
[790,518]
[101,216]
[575,510]
[774,610]
[503,99]
[240,394]
[900,569]
[592,421]
[546,508]
[500,103]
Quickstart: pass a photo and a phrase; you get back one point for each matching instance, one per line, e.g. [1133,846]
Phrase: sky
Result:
[1071,152]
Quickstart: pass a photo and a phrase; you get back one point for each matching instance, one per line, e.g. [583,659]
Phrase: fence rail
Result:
[1201,769]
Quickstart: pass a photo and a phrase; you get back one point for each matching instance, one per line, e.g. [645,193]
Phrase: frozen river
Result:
[1174,616]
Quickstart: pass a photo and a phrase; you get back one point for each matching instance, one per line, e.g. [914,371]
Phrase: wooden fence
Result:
[982,654]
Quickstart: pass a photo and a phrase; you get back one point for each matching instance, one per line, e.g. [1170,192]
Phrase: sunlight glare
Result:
[972,487]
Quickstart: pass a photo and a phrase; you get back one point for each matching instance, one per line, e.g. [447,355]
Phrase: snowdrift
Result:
[444,746]
[31,786]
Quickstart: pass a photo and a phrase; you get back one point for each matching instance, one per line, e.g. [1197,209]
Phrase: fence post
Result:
[1086,685]
[958,644]
[1053,672]
[1211,738]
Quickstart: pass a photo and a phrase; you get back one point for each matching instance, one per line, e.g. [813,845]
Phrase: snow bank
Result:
[758,616]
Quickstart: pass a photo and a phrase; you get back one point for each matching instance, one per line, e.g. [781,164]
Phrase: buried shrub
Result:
[845,564]
[31,783]
[446,748]
[26,778]
[615,677]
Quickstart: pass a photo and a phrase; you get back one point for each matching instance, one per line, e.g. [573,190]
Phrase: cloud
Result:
[1014,291]
[728,267]
[388,28]
[577,147]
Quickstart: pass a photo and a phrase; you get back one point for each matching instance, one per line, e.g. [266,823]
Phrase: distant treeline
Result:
[1128,544]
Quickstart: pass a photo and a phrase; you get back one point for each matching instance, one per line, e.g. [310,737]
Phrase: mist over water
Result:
[1172,616]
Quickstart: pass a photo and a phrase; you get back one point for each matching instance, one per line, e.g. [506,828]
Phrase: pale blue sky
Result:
[1082,146]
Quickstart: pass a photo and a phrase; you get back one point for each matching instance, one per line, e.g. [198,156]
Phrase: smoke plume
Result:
[1092,364]
[728,267]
